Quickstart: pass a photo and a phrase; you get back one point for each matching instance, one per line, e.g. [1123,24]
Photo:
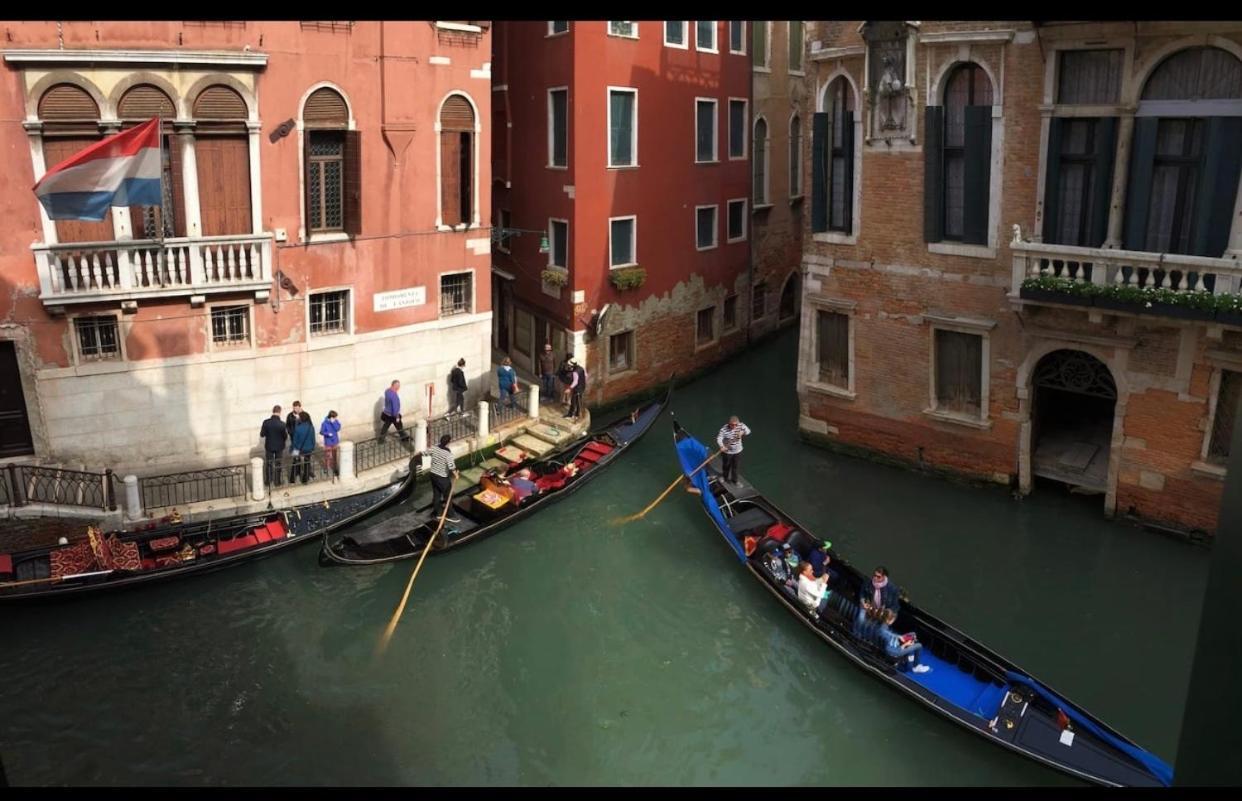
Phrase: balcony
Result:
[89,272]
[1124,281]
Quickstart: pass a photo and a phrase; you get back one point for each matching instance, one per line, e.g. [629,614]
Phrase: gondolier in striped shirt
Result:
[730,441]
[441,465]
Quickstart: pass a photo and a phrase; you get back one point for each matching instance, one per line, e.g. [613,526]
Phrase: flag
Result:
[121,170]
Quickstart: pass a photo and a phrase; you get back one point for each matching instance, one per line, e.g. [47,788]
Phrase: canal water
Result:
[567,651]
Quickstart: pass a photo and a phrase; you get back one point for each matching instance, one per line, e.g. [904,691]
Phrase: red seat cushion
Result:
[164,543]
[262,534]
[778,531]
[602,448]
[277,529]
[6,563]
[552,482]
[238,544]
[590,456]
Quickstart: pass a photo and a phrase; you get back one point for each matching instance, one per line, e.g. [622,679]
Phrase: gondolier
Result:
[730,441]
[443,468]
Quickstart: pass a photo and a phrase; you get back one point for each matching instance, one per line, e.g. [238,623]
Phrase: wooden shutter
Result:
[933,174]
[978,173]
[351,183]
[310,213]
[177,182]
[1102,179]
[56,150]
[224,184]
[1052,183]
[456,115]
[144,101]
[450,177]
[1138,197]
[64,101]
[821,142]
[325,108]
[847,147]
[219,103]
[1218,186]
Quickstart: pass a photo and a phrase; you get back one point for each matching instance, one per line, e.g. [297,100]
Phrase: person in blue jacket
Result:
[303,445]
[330,430]
[506,378]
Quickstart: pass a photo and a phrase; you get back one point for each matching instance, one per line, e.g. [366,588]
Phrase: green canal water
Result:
[566,651]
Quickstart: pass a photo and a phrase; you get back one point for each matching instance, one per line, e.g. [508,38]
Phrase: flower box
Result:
[627,277]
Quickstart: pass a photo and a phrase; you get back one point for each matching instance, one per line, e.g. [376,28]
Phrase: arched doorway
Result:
[789,298]
[1075,398]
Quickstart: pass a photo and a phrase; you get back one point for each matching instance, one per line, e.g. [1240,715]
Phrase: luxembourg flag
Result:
[122,170]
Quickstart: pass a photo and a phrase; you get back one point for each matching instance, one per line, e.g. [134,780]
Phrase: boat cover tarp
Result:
[691,454]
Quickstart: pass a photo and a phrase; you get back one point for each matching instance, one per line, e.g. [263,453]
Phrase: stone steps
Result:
[532,444]
[494,464]
[469,477]
[548,433]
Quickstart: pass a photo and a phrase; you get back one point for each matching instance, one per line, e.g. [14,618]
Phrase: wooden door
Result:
[224,184]
[56,150]
[14,425]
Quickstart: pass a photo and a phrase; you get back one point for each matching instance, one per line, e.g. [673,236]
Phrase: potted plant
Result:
[1182,305]
[1123,297]
[627,277]
[554,277]
[1229,308]
[1052,289]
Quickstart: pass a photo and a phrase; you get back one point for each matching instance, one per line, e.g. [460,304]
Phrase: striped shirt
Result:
[441,461]
[731,438]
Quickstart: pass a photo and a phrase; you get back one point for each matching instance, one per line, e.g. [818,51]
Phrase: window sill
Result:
[762,69]
[1216,471]
[829,389]
[705,249]
[735,240]
[557,166]
[705,345]
[675,46]
[758,207]
[724,332]
[623,36]
[795,199]
[836,238]
[713,50]
[799,73]
[623,166]
[707,161]
[958,419]
[555,34]
[335,236]
[733,52]
[970,251]
[622,266]
[616,375]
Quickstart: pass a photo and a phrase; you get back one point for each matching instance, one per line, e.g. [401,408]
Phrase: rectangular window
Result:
[1079,180]
[957,159]
[738,123]
[622,127]
[737,37]
[622,241]
[230,326]
[833,348]
[558,127]
[329,312]
[705,326]
[959,372]
[1222,422]
[758,301]
[730,314]
[759,163]
[795,157]
[705,227]
[558,251]
[1089,77]
[675,34]
[455,294]
[1175,180]
[737,220]
[621,352]
[628,29]
[705,130]
[795,46]
[558,26]
[705,35]
[505,221]
[98,339]
[759,44]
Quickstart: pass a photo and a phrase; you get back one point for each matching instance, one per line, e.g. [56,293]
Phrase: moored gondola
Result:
[494,502]
[964,681]
[115,559]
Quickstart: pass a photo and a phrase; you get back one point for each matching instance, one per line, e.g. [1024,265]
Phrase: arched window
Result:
[70,119]
[967,88]
[795,156]
[832,160]
[139,104]
[456,161]
[222,153]
[760,157]
[332,158]
[789,297]
[1187,153]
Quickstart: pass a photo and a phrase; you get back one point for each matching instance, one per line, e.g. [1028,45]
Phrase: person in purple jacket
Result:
[330,430]
[391,416]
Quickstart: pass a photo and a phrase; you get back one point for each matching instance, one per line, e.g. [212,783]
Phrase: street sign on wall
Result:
[400,298]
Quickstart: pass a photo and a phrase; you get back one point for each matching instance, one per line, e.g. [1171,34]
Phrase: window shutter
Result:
[309,214]
[351,183]
[847,185]
[325,109]
[450,177]
[219,103]
[177,180]
[1222,157]
[64,101]
[1102,178]
[978,173]
[456,115]
[933,174]
[1052,183]
[145,101]
[1138,197]
[821,133]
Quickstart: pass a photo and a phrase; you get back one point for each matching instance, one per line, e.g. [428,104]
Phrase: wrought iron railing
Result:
[502,414]
[6,494]
[35,484]
[192,486]
[458,425]
[372,453]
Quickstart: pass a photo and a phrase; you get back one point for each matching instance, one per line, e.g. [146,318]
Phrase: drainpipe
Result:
[750,188]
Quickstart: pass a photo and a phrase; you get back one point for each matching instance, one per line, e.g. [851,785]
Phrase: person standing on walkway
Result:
[303,445]
[577,386]
[295,417]
[391,416]
[730,441]
[457,388]
[547,372]
[506,378]
[274,436]
[330,430]
[566,376]
[441,465]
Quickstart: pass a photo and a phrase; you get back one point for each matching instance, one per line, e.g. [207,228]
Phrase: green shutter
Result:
[933,174]
[1138,196]
[821,139]
[847,141]
[1052,183]
[978,174]
[1102,180]
[1222,157]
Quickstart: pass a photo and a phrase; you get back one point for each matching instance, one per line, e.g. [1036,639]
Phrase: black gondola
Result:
[555,474]
[967,683]
[125,558]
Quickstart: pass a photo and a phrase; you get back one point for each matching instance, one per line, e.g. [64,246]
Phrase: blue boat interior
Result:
[958,687]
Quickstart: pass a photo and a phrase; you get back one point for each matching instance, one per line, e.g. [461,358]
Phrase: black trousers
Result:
[457,400]
[731,461]
[272,468]
[389,420]
[575,404]
[440,486]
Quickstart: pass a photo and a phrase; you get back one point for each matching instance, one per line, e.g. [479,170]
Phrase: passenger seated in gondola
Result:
[820,561]
[813,592]
[905,647]
[875,600]
[523,486]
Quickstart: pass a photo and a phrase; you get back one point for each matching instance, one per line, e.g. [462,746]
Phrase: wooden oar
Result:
[631,518]
[396,618]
